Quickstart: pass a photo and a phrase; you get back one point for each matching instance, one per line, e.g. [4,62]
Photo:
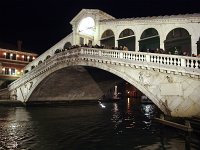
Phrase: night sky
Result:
[42,23]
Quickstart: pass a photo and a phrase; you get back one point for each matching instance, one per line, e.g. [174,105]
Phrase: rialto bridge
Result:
[172,82]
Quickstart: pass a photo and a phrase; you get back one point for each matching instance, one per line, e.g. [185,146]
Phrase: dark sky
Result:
[42,23]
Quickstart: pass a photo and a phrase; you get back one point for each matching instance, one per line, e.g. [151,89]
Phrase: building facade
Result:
[12,63]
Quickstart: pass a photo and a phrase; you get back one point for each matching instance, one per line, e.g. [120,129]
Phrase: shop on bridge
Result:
[149,41]
[108,39]
[127,38]
[178,41]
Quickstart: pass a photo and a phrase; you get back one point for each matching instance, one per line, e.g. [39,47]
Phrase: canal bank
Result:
[14,103]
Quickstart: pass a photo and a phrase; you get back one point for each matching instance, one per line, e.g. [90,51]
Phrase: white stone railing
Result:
[172,60]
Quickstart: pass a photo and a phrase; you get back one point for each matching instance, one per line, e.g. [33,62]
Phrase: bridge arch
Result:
[122,73]
[86,26]
[67,45]
[149,39]
[40,62]
[47,57]
[108,39]
[57,51]
[178,39]
[198,46]
[86,30]
[127,38]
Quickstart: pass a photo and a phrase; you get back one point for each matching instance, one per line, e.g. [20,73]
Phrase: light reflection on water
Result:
[119,125]
[14,125]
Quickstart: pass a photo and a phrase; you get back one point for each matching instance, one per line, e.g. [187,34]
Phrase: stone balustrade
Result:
[191,64]
[173,60]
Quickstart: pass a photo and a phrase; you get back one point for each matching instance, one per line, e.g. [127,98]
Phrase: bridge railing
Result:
[172,60]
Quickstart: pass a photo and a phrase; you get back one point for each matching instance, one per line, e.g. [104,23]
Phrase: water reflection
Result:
[131,114]
[102,105]
[14,128]
[125,124]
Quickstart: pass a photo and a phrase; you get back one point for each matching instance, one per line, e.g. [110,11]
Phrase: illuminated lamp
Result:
[3,69]
[33,58]
[28,57]
[4,53]
[22,71]
[11,54]
[22,56]
[17,55]
[86,26]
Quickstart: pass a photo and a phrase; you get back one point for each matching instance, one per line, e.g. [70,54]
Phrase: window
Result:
[86,26]
[7,71]
[11,56]
[4,54]
[90,42]
[31,58]
[25,58]
[81,41]
[14,57]
[8,56]
[12,71]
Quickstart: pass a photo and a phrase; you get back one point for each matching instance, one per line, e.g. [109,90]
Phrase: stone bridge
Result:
[172,82]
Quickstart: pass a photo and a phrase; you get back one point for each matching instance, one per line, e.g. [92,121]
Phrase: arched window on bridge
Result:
[32,67]
[67,45]
[86,31]
[108,39]
[127,38]
[87,26]
[48,57]
[149,40]
[39,62]
[198,46]
[57,51]
[179,40]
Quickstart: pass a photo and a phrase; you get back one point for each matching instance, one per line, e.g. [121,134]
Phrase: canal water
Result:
[122,125]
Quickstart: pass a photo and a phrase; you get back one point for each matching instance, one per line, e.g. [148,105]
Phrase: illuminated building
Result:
[12,63]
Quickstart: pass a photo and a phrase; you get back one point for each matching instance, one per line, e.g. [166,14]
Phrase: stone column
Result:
[138,33]
[74,35]
[162,39]
[96,33]
[194,39]
[136,43]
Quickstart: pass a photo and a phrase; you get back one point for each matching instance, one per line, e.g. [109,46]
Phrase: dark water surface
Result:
[123,125]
